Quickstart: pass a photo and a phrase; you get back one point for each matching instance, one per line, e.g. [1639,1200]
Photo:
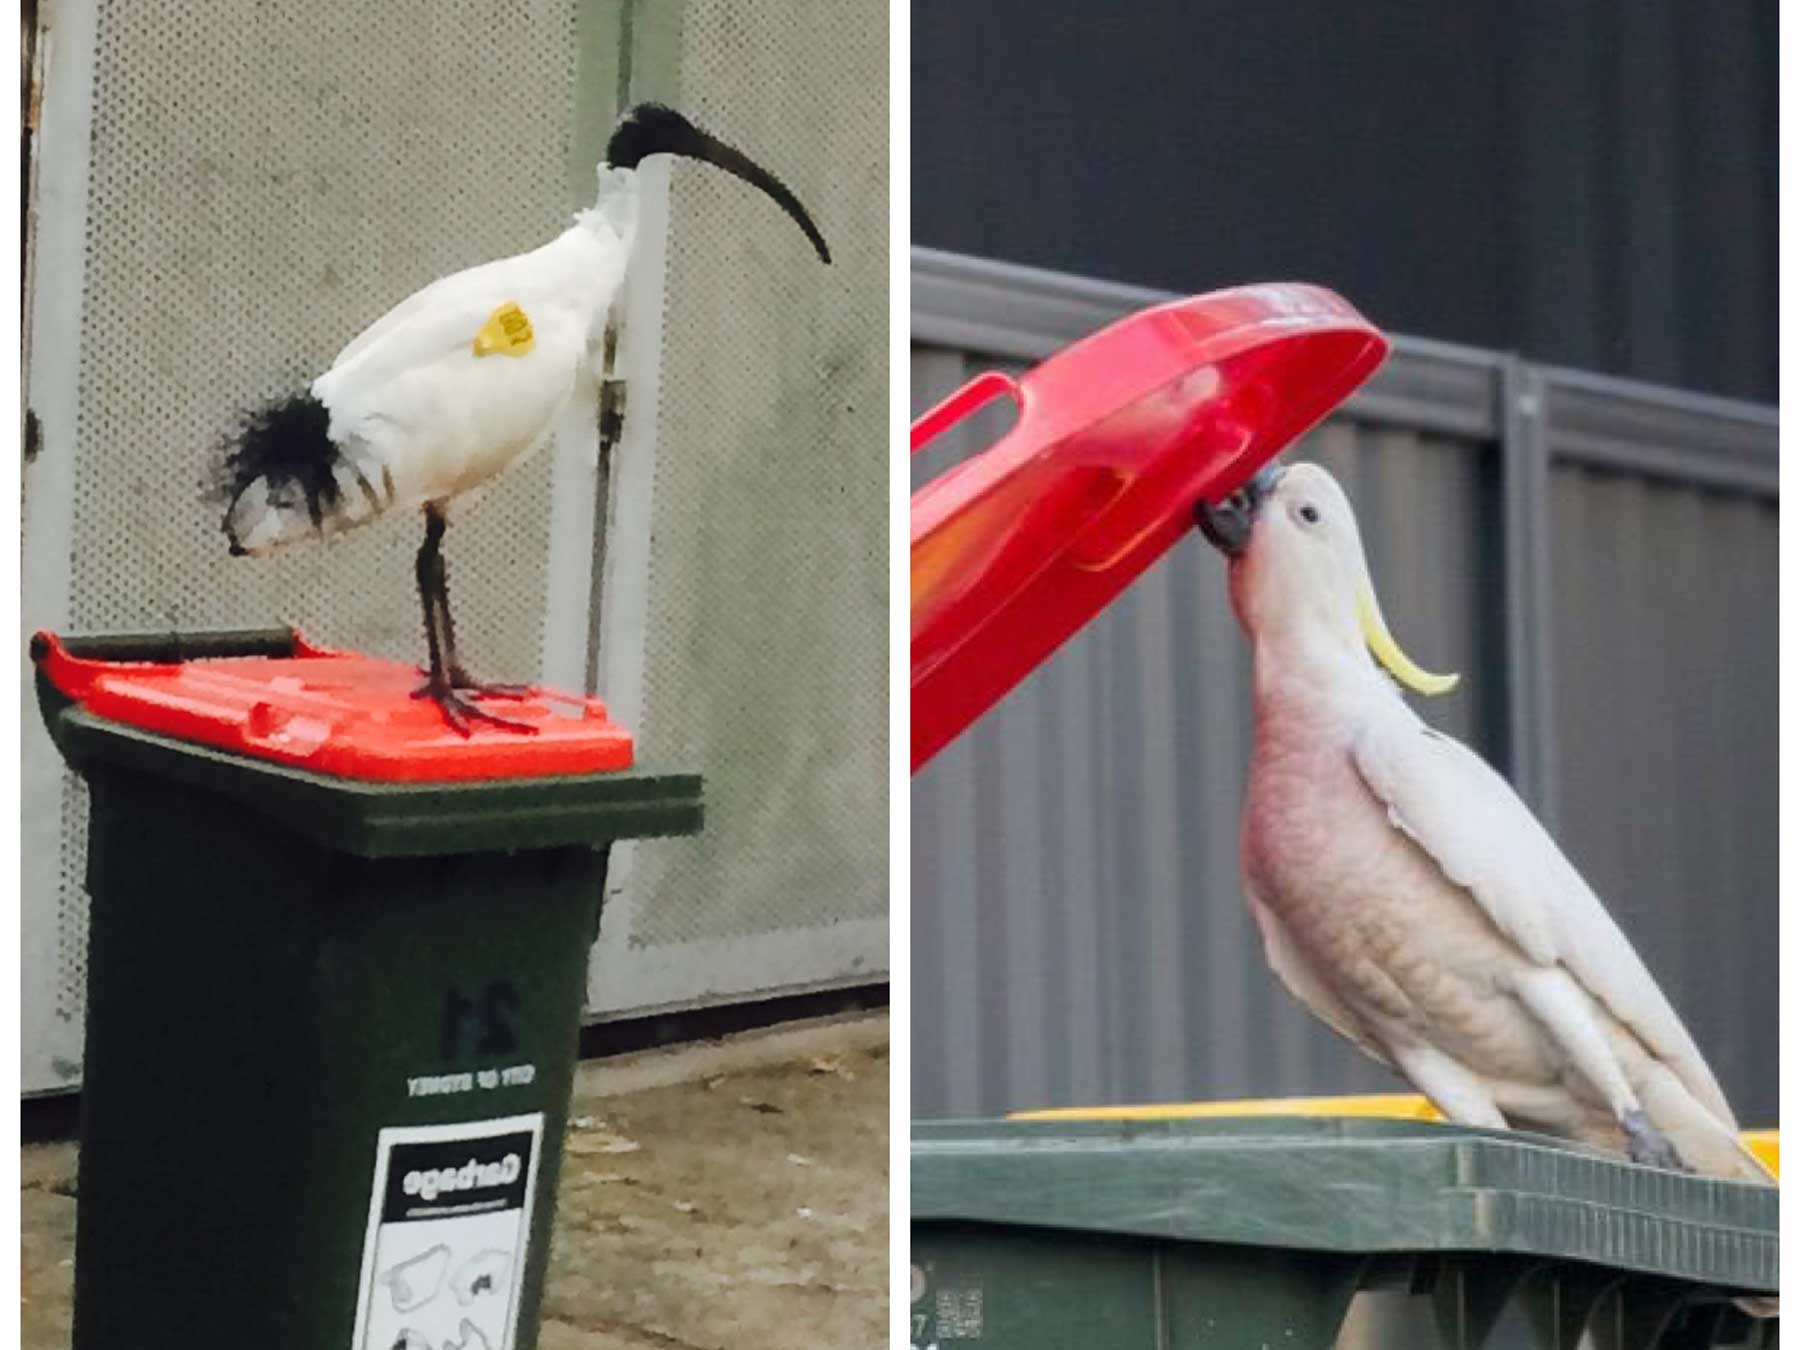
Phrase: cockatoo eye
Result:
[1309,514]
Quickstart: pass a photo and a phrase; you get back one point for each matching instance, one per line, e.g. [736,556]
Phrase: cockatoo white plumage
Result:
[455,384]
[1407,896]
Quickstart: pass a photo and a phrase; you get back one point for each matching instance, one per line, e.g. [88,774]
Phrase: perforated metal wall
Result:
[232,190]
[263,181]
[765,662]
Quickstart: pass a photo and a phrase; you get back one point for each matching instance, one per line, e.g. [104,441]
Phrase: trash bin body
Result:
[331,1035]
[1249,1233]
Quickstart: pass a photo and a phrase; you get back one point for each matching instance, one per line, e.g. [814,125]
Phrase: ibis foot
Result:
[460,710]
[1648,1145]
[461,679]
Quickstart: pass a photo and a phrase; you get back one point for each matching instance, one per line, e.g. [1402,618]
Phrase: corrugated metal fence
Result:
[1597,557]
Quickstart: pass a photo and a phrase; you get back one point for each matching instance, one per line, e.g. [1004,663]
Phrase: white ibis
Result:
[454,385]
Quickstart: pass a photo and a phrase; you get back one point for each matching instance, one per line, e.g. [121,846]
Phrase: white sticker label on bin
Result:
[449,1221]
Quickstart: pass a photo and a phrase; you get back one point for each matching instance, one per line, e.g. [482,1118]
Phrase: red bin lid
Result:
[1118,437]
[337,712]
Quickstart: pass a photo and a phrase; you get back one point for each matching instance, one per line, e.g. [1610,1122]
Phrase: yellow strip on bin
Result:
[1765,1144]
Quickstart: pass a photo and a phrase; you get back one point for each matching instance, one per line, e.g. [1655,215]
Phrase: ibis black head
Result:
[284,444]
[651,129]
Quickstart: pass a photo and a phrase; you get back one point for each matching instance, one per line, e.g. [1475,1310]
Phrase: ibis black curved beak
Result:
[651,129]
[1227,526]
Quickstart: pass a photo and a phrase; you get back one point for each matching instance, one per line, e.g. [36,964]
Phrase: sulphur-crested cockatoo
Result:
[456,384]
[1406,895]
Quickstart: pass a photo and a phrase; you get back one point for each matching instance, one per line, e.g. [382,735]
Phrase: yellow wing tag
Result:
[506,333]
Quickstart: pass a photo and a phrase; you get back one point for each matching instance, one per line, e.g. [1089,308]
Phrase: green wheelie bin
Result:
[1258,1233]
[337,965]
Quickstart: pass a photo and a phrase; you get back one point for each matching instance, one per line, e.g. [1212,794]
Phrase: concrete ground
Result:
[729,1194]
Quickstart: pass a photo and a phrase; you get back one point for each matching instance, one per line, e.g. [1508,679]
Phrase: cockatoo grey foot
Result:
[1648,1146]
[460,711]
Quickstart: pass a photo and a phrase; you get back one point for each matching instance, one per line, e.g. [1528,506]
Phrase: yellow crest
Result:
[506,333]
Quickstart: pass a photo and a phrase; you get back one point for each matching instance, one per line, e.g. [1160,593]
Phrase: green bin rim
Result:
[1346,1184]
[387,819]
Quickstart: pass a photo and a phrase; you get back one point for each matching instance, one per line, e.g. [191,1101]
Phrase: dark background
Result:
[1589,184]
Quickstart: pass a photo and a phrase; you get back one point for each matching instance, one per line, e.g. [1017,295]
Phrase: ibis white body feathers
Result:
[416,414]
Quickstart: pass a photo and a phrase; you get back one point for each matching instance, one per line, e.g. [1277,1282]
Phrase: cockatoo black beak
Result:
[1227,526]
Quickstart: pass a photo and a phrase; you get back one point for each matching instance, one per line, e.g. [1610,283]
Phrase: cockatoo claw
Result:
[1648,1146]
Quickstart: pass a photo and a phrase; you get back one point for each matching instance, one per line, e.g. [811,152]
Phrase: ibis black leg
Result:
[446,678]
[460,678]
[428,568]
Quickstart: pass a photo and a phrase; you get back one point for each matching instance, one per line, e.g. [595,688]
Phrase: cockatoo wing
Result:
[1471,822]
[1298,975]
